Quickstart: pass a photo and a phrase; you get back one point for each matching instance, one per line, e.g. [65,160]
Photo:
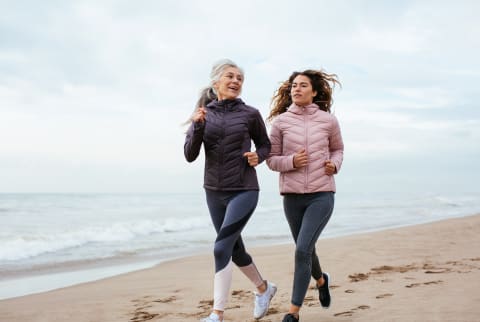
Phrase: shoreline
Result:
[26,282]
[432,269]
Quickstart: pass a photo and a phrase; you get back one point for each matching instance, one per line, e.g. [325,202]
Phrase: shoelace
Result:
[263,298]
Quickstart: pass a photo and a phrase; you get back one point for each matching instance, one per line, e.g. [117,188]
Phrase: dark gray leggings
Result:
[307,216]
[230,212]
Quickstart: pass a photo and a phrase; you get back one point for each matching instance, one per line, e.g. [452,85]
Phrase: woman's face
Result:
[302,92]
[229,86]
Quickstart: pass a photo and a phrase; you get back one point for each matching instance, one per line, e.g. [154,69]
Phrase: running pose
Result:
[307,150]
[225,126]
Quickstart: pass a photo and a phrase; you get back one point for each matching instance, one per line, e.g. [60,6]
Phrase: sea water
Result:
[54,240]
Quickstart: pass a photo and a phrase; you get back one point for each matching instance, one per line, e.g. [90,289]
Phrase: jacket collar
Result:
[226,104]
[309,109]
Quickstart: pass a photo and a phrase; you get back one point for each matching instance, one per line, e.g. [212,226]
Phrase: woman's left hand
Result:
[252,158]
[330,168]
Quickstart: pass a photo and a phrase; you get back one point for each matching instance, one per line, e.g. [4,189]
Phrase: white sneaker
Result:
[213,317]
[262,301]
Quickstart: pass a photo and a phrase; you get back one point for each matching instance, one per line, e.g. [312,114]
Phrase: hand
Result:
[199,115]
[252,158]
[330,168]
[300,159]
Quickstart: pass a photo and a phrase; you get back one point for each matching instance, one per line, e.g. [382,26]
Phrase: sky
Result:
[93,94]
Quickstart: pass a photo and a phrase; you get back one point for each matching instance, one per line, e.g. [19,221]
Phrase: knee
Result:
[220,252]
[302,256]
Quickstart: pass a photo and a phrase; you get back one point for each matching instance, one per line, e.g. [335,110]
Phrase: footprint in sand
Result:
[166,300]
[382,296]
[142,316]
[352,311]
[241,294]
[357,277]
[426,283]
[205,304]
[438,271]
[346,313]
[433,282]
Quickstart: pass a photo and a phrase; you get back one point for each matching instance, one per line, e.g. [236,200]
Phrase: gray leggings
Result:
[230,212]
[307,216]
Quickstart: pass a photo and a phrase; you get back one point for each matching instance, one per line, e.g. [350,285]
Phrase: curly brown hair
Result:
[322,83]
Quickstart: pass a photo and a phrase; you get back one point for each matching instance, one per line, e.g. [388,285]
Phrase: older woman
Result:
[225,126]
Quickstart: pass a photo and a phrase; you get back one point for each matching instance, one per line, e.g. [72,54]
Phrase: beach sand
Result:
[427,272]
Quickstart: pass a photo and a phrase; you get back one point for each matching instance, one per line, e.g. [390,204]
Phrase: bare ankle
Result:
[263,287]
[320,281]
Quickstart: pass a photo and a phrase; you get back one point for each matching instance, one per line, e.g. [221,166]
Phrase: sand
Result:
[427,272]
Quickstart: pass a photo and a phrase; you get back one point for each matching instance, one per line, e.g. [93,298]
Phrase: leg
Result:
[230,213]
[294,208]
[246,265]
[319,207]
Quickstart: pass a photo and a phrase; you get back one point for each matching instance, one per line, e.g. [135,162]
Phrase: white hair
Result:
[219,67]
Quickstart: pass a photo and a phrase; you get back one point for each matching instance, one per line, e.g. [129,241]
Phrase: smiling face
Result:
[229,86]
[302,91]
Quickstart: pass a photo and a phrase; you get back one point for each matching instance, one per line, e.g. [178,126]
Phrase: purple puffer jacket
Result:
[319,134]
[226,134]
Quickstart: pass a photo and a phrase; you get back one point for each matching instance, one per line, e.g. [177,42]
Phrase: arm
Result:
[336,145]
[193,141]
[276,161]
[259,135]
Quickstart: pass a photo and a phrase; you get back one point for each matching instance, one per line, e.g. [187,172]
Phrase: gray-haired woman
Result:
[225,126]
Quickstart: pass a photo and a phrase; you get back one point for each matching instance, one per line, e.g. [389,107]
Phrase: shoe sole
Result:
[268,305]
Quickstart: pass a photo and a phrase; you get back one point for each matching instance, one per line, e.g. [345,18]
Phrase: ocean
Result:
[49,241]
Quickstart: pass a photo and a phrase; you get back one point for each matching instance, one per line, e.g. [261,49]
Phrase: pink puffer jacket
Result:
[316,131]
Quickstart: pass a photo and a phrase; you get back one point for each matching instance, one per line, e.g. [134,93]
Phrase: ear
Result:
[314,93]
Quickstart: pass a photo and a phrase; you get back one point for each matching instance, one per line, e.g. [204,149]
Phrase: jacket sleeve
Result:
[193,141]
[276,161]
[336,145]
[259,135]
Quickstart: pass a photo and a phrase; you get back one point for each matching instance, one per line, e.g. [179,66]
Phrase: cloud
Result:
[98,91]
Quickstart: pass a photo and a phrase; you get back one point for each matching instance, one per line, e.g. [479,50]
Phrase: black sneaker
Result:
[290,318]
[324,292]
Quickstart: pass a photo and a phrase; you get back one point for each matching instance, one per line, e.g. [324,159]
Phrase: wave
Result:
[33,244]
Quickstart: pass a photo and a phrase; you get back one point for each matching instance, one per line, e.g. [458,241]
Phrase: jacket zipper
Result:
[222,145]
[306,149]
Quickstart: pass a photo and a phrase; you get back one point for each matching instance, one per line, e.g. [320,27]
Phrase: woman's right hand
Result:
[199,115]
[300,159]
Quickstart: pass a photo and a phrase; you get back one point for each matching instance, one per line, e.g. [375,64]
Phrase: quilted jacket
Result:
[314,130]
[227,133]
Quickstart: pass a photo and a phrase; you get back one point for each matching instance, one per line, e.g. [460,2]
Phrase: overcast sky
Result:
[93,93]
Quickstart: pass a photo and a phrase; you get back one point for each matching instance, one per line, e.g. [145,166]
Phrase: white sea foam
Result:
[61,230]
[21,246]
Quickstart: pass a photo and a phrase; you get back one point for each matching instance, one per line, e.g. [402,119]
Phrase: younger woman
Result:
[307,150]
